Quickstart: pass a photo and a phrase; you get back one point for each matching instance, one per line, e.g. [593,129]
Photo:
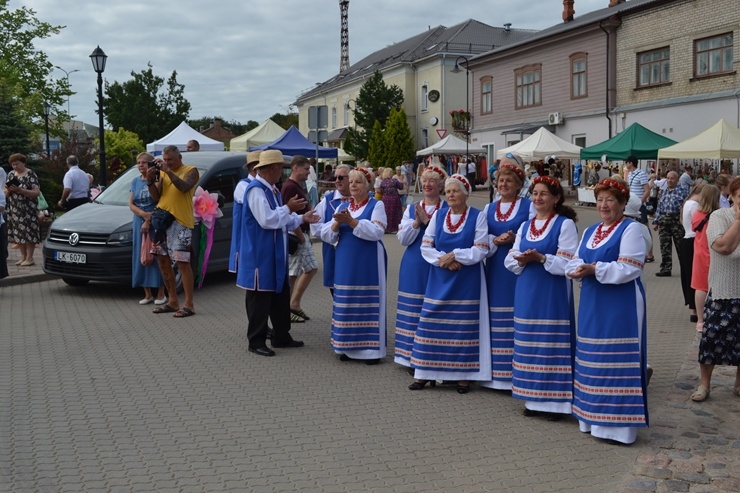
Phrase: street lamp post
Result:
[98,58]
[456,70]
[66,76]
[47,110]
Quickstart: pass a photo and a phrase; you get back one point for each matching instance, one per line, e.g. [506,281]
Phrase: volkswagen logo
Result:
[74,239]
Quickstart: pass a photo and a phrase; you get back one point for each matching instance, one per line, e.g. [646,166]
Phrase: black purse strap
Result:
[701,225]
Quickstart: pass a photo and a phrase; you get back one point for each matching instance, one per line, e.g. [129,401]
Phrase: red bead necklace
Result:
[436,208]
[454,227]
[536,233]
[356,207]
[504,217]
[603,233]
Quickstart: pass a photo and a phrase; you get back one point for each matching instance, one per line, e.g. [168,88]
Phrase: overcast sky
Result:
[246,60]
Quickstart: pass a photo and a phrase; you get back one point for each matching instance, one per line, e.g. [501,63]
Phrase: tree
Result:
[15,136]
[25,72]
[286,120]
[141,105]
[374,103]
[120,144]
[376,147]
[398,142]
[234,126]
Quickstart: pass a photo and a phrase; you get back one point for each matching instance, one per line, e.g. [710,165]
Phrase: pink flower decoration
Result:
[205,207]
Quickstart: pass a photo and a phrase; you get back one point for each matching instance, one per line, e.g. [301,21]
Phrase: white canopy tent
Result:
[541,144]
[265,133]
[451,145]
[720,141]
[180,137]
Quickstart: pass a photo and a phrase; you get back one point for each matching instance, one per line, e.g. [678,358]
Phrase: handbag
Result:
[43,204]
[147,257]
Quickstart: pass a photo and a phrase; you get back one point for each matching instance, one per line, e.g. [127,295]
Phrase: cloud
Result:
[248,60]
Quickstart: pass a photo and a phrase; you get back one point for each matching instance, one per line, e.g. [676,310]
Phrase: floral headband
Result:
[462,180]
[367,175]
[516,169]
[609,183]
[548,181]
[437,170]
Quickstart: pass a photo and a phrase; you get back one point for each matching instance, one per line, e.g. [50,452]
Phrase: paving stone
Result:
[679,486]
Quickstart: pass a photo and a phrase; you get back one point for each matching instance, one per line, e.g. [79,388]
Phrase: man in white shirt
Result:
[76,186]
[686,179]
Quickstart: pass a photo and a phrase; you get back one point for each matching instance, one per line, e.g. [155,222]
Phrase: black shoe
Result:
[420,384]
[531,414]
[663,273]
[371,362]
[463,389]
[288,343]
[693,318]
[262,351]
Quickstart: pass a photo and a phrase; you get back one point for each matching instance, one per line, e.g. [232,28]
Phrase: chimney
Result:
[507,27]
[614,3]
[568,10]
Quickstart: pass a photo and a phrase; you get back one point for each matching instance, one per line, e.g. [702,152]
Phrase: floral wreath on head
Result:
[548,181]
[516,169]
[367,175]
[462,180]
[609,183]
[437,170]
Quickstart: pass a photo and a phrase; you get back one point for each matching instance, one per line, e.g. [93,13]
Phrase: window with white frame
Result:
[424,97]
[713,55]
[654,67]
[333,117]
[424,138]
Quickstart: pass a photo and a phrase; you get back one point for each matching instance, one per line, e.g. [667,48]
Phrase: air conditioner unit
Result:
[555,118]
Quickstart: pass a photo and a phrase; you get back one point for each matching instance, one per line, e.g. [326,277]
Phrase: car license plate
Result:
[70,258]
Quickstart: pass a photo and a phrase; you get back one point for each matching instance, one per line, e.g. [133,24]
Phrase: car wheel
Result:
[70,281]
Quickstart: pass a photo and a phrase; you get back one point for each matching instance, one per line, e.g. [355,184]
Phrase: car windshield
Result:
[118,192]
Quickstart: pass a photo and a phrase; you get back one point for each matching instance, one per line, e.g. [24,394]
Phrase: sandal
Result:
[700,394]
[295,319]
[183,312]
[649,260]
[164,309]
[300,313]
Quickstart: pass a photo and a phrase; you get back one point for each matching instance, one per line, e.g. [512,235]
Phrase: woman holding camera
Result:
[142,204]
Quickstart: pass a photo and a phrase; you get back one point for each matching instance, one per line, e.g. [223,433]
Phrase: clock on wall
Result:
[433,120]
[433,96]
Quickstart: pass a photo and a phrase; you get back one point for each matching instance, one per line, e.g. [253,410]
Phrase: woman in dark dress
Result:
[22,192]
[391,200]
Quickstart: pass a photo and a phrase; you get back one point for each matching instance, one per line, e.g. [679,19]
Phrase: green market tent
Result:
[635,140]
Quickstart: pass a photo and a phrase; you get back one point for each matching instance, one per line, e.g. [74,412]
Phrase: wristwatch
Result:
[543,260]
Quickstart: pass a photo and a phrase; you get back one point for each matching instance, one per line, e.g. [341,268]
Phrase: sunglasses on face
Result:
[340,177]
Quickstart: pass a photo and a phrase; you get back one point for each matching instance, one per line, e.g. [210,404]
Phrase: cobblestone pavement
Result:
[98,394]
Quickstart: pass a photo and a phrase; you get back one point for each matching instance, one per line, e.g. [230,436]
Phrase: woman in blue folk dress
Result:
[544,326]
[414,271]
[452,341]
[358,324]
[142,204]
[610,387]
[504,217]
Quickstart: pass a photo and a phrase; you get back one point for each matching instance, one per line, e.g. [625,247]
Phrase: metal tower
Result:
[344,60]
